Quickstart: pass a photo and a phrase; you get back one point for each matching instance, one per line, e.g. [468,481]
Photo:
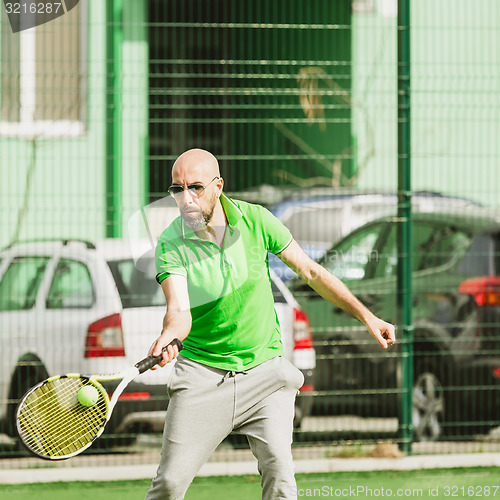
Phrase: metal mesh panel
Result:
[298,100]
[258,85]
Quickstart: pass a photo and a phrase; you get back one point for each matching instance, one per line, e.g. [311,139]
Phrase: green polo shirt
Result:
[234,326]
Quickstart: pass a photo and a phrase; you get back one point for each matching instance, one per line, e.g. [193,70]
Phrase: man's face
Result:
[196,211]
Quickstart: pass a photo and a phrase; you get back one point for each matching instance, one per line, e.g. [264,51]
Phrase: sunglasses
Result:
[195,190]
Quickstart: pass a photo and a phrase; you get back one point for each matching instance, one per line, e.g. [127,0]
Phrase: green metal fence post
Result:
[114,39]
[405,225]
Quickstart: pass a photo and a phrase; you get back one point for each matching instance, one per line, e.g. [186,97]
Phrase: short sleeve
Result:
[276,234]
[168,261]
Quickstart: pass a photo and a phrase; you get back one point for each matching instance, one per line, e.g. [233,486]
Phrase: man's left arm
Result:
[332,289]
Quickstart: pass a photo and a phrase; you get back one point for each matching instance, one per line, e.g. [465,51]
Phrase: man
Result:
[231,375]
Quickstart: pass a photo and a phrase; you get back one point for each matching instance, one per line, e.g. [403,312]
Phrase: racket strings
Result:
[53,423]
[57,422]
[52,432]
[40,421]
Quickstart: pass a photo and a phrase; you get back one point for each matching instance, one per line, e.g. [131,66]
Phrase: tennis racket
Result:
[53,424]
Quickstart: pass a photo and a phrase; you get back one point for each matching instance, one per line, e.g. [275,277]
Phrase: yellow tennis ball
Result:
[88,395]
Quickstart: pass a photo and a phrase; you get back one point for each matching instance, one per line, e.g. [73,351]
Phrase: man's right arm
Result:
[177,320]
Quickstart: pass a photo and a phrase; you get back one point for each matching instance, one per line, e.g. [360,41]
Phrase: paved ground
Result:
[140,461]
[142,464]
[147,471]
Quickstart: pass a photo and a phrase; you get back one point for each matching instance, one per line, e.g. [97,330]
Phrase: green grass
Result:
[436,483]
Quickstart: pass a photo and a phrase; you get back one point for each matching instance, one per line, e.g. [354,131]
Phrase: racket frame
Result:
[87,381]
[126,377]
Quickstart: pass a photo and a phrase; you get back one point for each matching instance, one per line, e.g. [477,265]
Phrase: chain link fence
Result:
[299,102]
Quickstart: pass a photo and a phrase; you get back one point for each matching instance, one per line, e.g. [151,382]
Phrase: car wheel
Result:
[428,404]
[109,443]
[24,378]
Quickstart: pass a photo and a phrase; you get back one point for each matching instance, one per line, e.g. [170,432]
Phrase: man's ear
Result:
[220,185]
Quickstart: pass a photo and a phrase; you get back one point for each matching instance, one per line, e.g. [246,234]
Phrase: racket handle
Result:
[151,361]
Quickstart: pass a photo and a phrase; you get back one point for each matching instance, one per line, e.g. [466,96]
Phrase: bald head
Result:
[197,165]
[198,168]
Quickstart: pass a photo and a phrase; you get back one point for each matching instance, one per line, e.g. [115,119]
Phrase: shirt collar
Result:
[232,211]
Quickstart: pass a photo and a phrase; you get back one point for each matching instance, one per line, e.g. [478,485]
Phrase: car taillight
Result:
[105,338]
[302,334]
[133,396]
[496,372]
[485,290]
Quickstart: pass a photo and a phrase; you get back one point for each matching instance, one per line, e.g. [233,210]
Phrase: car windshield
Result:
[314,225]
[136,284]
[351,258]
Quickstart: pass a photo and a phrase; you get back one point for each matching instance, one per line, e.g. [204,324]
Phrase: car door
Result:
[341,341]
[142,314]
[437,302]
[69,307]
[434,247]
[20,285]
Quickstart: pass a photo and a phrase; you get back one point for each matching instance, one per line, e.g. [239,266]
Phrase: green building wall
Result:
[63,194]
[59,187]
[455,72]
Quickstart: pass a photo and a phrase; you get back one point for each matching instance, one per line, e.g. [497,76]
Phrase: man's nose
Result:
[185,198]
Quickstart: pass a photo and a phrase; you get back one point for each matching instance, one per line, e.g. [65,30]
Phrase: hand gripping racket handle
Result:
[147,363]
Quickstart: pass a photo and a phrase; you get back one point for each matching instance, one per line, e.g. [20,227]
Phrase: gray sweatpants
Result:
[206,404]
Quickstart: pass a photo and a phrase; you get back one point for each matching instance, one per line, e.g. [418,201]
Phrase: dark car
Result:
[456,322]
[318,220]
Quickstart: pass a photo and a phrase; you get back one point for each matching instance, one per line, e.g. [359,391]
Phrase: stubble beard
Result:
[199,219]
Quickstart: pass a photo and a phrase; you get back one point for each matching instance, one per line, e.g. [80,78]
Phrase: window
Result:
[387,264]
[42,85]
[480,259]
[20,283]
[137,286]
[442,247]
[71,286]
[351,258]
[433,246]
